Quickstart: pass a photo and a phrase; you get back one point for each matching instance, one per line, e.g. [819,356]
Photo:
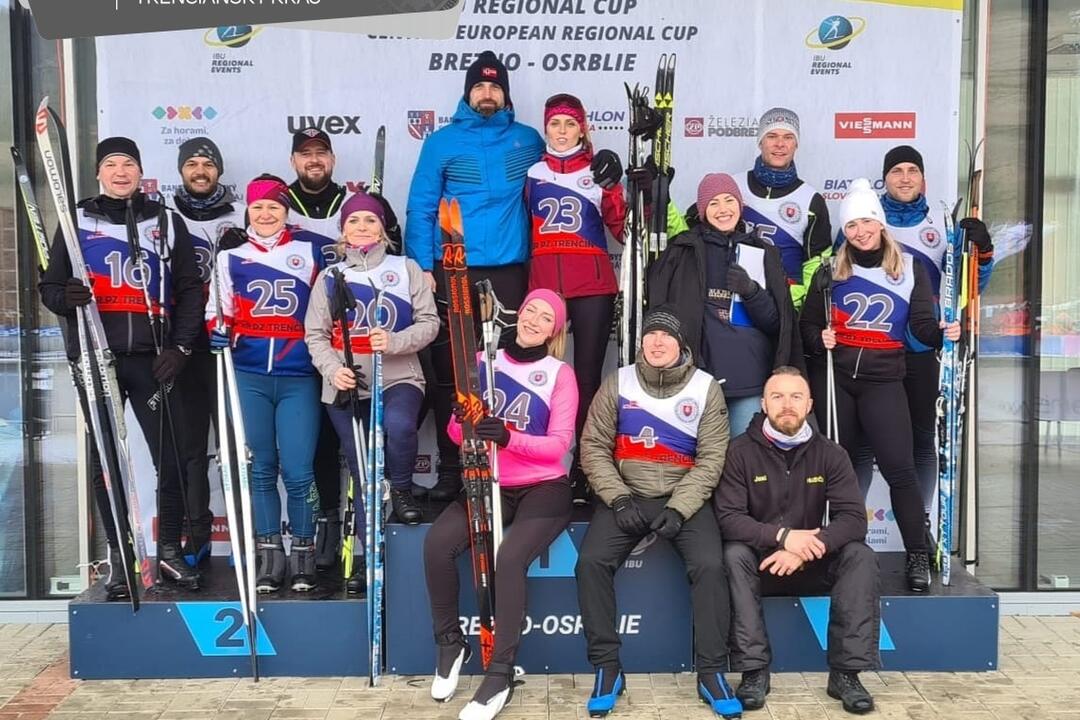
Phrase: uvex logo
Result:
[330,124]
[870,125]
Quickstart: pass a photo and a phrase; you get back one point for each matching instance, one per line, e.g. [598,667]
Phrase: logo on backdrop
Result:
[731,126]
[184,113]
[832,34]
[874,125]
[225,39]
[837,188]
[694,127]
[148,186]
[606,120]
[330,124]
[421,123]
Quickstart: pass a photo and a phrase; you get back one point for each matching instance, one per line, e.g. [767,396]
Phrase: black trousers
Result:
[590,320]
[849,575]
[197,387]
[535,515]
[328,466]
[510,283]
[876,413]
[135,377]
[606,547]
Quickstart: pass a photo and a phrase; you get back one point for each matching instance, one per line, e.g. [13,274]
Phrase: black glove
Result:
[628,516]
[493,429]
[76,294]
[976,231]
[643,177]
[168,364]
[739,281]
[606,169]
[232,238]
[645,121]
[667,524]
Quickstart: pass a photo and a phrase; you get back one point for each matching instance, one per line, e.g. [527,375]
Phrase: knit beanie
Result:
[202,147]
[488,68]
[118,146]
[901,154]
[663,317]
[362,201]
[861,202]
[778,118]
[564,104]
[712,185]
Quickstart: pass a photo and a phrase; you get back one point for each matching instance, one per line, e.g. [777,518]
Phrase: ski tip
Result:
[444,215]
[41,119]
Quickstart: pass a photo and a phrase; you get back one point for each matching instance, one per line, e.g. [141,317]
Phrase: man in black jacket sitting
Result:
[780,480]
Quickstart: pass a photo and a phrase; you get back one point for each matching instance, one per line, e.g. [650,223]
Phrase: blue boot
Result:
[715,692]
[610,684]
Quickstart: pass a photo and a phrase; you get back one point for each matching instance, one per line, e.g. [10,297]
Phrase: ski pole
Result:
[488,303]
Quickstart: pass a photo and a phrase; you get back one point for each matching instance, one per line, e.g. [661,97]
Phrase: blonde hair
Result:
[892,262]
[556,344]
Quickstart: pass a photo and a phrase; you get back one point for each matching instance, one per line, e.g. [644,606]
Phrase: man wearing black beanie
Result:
[481,158]
[917,225]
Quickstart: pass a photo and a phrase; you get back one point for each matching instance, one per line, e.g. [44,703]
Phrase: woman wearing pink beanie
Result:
[533,427]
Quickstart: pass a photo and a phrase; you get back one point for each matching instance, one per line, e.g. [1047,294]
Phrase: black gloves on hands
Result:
[494,430]
[606,168]
[628,516]
[643,177]
[978,234]
[739,281]
[168,365]
[667,524]
[76,293]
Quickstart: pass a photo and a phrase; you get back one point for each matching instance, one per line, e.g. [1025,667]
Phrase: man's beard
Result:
[788,424]
[314,185]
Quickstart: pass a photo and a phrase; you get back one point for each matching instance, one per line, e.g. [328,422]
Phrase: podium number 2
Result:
[231,637]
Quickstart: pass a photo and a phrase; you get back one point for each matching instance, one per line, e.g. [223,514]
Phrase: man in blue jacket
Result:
[481,159]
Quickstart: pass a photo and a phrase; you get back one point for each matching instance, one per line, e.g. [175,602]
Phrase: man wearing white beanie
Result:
[783,208]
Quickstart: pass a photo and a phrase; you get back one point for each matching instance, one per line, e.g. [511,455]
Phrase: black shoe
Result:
[405,506]
[917,569]
[116,585]
[357,582]
[418,491]
[172,566]
[302,565]
[328,543]
[846,687]
[579,486]
[269,563]
[449,485]
[753,688]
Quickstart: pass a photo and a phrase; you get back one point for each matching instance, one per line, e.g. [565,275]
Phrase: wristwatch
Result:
[185,350]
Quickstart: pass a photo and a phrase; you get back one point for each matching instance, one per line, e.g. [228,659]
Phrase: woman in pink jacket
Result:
[536,401]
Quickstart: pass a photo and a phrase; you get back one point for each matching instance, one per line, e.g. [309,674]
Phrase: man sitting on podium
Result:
[779,481]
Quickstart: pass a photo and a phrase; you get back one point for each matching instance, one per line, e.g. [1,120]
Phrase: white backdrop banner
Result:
[862,76]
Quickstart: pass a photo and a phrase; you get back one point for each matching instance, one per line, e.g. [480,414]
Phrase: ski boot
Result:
[197,547]
[753,688]
[269,563]
[848,689]
[405,506]
[172,566]
[609,684]
[328,543]
[714,691]
[494,693]
[448,486]
[917,570]
[357,582]
[452,652]
[302,564]
[115,585]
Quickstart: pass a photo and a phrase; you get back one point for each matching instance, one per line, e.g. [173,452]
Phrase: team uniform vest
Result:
[116,279]
[523,391]
[271,289]
[781,221]
[205,236]
[565,212]
[925,241]
[660,430]
[328,229]
[870,309]
[395,312]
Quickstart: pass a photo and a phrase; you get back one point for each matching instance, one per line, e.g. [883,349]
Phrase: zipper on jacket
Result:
[858,359]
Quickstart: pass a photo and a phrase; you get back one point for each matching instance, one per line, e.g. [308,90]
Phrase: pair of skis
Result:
[481,488]
[97,370]
[370,459]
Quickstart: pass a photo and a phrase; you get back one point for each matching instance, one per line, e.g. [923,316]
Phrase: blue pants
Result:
[740,412]
[281,419]
[401,409]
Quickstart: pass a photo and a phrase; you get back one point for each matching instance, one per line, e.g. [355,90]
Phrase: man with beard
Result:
[779,479]
[481,159]
[215,221]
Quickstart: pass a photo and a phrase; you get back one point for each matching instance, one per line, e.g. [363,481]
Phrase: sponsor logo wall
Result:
[830,61]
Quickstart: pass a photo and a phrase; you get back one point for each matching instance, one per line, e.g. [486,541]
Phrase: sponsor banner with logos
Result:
[845,67]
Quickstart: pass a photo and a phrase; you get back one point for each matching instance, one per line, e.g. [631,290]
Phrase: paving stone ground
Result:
[1038,679]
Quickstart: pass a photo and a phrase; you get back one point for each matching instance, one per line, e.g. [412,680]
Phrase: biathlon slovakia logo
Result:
[184,113]
[930,237]
[790,212]
[538,378]
[898,280]
[421,123]
[295,262]
[389,278]
[152,234]
[835,32]
[585,182]
[694,127]
[687,410]
[231,36]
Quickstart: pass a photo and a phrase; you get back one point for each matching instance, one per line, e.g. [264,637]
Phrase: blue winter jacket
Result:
[482,162]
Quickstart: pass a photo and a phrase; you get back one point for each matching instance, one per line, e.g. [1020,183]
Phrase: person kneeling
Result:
[778,481]
[652,448]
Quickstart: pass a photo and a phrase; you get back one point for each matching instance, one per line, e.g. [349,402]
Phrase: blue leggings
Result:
[281,419]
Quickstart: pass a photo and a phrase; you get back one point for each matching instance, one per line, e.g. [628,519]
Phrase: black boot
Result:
[846,687]
[116,585]
[172,566]
[302,564]
[269,563]
[753,688]
[917,569]
[328,543]
[357,582]
[448,486]
[405,506]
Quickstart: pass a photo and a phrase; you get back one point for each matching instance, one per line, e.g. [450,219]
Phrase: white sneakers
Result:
[488,710]
[443,687]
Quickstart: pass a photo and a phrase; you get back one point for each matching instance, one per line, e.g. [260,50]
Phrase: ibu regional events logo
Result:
[832,34]
[231,36]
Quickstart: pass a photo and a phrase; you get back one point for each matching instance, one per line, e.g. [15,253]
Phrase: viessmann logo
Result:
[874,125]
